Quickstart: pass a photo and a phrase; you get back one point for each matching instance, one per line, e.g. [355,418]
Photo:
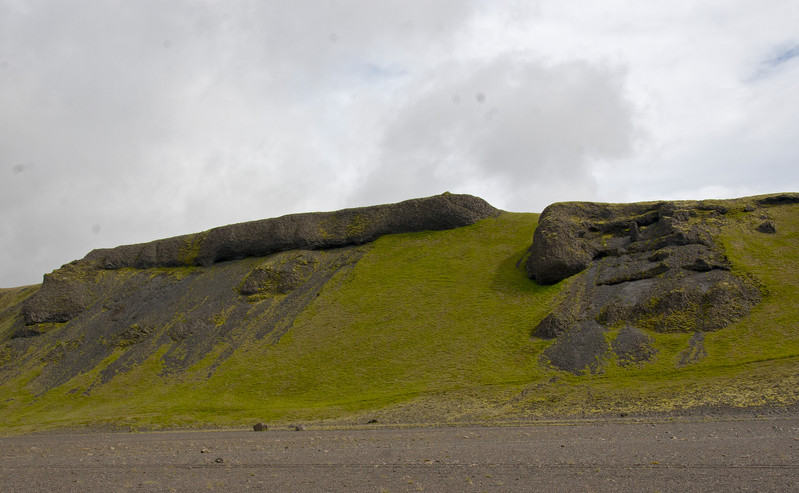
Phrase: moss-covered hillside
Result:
[433,326]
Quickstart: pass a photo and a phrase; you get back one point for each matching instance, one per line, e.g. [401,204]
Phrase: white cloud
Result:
[531,128]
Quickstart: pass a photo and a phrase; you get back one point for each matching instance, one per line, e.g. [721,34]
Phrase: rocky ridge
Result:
[184,294]
[66,292]
[633,268]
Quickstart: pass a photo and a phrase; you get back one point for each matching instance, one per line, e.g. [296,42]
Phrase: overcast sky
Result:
[127,121]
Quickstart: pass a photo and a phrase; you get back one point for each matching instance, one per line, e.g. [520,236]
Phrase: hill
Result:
[418,312]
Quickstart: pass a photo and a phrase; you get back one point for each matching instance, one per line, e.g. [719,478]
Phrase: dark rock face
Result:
[637,267]
[767,227]
[310,231]
[64,294]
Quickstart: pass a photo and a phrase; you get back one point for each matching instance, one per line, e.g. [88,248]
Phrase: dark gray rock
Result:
[259,427]
[767,227]
[695,351]
[649,266]
[309,231]
[579,350]
[64,294]
[555,324]
[634,233]
[778,199]
[633,346]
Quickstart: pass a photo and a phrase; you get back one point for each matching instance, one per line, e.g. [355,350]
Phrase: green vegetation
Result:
[433,327]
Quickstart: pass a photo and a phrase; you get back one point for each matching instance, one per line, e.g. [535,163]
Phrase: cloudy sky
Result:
[127,121]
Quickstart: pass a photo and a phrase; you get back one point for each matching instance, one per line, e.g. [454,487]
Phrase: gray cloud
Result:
[529,127]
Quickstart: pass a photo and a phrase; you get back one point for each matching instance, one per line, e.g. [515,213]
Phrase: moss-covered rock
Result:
[308,231]
[651,266]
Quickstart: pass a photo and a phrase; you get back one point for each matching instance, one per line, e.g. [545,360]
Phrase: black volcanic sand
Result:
[671,455]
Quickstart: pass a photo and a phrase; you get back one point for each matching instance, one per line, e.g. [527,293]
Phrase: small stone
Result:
[767,227]
[205,451]
[219,460]
[634,235]
[259,427]
[299,427]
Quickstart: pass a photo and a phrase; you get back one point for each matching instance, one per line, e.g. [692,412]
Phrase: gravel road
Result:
[672,455]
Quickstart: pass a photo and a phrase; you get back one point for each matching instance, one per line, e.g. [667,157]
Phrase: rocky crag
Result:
[186,293]
[638,268]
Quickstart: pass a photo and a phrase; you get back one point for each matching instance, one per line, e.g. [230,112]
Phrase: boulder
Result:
[632,346]
[767,227]
[580,349]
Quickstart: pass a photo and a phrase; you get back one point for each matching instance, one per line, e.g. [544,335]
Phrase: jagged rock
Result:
[650,266]
[767,227]
[64,293]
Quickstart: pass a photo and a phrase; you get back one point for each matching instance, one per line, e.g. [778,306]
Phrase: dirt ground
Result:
[679,454]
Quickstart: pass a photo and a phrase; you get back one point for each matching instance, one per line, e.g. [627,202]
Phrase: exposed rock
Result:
[132,335]
[633,346]
[309,231]
[648,266]
[767,227]
[555,324]
[281,273]
[68,291]
[64,293]
[259,427]
[579,350]
[695,350]
[778,199]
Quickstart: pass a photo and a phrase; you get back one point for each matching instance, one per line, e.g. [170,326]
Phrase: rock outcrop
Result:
[637,267]
[179,293]
[308,231]
[68,291]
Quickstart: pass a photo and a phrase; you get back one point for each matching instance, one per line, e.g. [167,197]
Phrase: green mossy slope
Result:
[433,327]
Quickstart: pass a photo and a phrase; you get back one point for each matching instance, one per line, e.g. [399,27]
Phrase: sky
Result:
[126,121]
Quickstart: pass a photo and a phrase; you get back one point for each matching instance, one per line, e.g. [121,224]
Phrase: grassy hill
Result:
[425,327]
